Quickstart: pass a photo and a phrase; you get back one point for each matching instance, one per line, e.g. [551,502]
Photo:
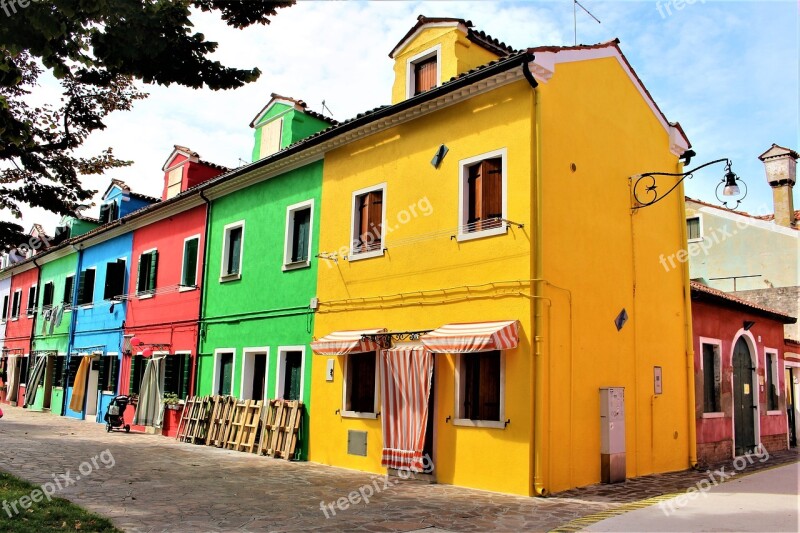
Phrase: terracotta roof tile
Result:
[480,38]
[699,289]
[299,104]
[768,218]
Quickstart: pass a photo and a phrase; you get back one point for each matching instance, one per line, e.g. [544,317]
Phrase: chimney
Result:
[780,165]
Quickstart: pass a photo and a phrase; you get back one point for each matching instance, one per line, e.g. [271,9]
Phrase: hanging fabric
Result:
[150,409]
[34,379]
[13,378]
[79,384]
[406,374]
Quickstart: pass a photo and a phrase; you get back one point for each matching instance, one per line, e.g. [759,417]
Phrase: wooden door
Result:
[744,399]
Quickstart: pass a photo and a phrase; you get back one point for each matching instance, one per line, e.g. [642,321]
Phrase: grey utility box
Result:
[612,434]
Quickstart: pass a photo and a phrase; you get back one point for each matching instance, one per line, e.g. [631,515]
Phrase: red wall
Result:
[18,332]
[716,321]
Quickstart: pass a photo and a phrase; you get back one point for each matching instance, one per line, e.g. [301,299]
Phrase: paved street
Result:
[159,484]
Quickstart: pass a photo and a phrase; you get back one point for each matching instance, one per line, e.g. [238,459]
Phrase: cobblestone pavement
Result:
[159,484]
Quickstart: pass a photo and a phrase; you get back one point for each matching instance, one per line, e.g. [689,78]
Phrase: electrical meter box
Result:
[612,434]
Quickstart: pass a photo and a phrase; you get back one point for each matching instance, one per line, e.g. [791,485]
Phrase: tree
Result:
[97,49]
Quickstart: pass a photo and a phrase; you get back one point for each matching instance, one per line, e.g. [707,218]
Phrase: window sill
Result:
[296,266]
[230,277]
[471,236]
[85,306]
[144,296]
[356,256]
[774,413]
[14,319]
[187,288]
[699,239]
[713,415]
[464,422]
[357,414]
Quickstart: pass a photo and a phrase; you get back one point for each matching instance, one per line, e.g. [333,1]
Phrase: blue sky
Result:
[727,71]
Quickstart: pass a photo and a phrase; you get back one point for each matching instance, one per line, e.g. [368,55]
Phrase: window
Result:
[69,283]
[5,307]
[480,382]
[15,304]
[108,373]
[771,370]
[137,373]
[271,137]
[232,250]
[109,212]
[483,195]
[86,287]
[72,370]
[174,181]
[298,235]
[32,302]
[223,379]
[146,274]
[693,229]
[177,370]
[367,219]
[289,385]
[58,371]
[189,269]
[360,383]
[711,379]
[115,279]
[47,295]
[423,71]
[23,369]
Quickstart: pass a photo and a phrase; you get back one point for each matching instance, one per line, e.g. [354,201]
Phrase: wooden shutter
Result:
[271,137]
[474,197]
[151,285]
[371,221]
[300,233]
[186,376]
[174,181]
[189,277]
[425,75]
[489,386]
[104,213]
[141,273]
[171,374]
[492,192]
[82,287]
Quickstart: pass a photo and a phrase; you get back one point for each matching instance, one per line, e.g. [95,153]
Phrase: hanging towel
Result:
[59,314]
[150,408]
[79,385]
[35,378]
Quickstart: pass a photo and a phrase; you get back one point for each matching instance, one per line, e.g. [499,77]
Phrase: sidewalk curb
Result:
[578,524]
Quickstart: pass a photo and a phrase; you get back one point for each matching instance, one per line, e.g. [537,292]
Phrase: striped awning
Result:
[473,337]
[345,342]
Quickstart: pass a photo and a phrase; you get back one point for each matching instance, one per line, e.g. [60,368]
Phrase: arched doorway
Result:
[744,398]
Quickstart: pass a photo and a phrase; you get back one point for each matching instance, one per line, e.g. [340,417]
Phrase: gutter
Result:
[73,317]
[537,271]
[202,300]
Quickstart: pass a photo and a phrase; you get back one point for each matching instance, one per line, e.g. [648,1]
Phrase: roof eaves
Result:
[701,291]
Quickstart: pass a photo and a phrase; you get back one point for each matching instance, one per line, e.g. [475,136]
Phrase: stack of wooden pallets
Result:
[250,426]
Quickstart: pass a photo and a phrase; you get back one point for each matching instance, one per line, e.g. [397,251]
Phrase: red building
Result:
[19,319]
[164,290]
[740,390]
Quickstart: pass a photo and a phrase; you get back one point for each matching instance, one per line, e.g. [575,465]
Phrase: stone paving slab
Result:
[159,484]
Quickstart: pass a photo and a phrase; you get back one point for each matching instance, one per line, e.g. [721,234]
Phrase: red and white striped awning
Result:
[473,337]
[345,342]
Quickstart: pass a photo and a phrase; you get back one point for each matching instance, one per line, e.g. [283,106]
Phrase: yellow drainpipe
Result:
[687,300]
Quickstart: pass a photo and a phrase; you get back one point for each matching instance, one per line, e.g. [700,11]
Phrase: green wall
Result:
[296,126]
[267,307]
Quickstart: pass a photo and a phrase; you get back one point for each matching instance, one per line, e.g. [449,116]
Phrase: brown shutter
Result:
[363,216]
[474,195]
[425,75]
[376,219]
[492,197]
[490,386]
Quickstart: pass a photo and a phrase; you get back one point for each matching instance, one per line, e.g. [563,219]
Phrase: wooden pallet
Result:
[249,431]
[279,430]
[235,429]
[221,411]
[194,420]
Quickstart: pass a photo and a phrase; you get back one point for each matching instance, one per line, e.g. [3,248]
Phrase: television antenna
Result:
[575,6]
[324,107]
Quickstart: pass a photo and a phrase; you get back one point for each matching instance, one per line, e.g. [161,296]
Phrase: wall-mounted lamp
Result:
[439,156]
[748,324]
[645,188]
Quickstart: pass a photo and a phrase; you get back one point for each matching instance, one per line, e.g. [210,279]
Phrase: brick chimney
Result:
[780,165]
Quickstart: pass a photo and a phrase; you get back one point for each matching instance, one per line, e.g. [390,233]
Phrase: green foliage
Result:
[97,49]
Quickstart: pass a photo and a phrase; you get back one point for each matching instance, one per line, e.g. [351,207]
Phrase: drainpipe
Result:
[73,317]
[537,274]
[687,301]
[38,291]
[200,306]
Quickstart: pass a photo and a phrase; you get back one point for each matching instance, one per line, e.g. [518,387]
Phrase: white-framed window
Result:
[297,248]
[174,181]
[147,274]
[367,220]
[271,134]
[69,285]
[191,251]
[16,303]
[48,294]
[360,398]
[483,195]
[771,380]
[711,367]
[290,373]
[255,373]
[224,371]
[424,71]
[480,389]
[232,251]
[31,309]
[694,229]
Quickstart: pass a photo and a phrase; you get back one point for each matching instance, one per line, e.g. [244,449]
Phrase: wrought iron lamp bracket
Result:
[387,339]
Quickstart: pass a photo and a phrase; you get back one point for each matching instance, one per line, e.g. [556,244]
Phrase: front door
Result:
[791,405]
[225,379]
[92,386]
[291,375]
[744,399]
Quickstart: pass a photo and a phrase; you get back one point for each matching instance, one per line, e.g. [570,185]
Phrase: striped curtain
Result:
[150,408]
[406,374]
[35,378]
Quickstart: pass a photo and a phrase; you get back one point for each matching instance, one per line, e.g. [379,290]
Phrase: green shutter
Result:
[187,376]
[190,263]
[151,286]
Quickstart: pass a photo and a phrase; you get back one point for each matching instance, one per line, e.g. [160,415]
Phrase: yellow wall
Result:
[459,55]
[606,258]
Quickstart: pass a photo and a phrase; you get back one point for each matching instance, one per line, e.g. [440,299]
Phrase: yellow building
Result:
[478,244]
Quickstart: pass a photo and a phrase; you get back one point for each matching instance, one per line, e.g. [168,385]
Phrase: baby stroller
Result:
[114,414]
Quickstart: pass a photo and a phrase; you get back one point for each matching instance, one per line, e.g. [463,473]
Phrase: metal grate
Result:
[357,443]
